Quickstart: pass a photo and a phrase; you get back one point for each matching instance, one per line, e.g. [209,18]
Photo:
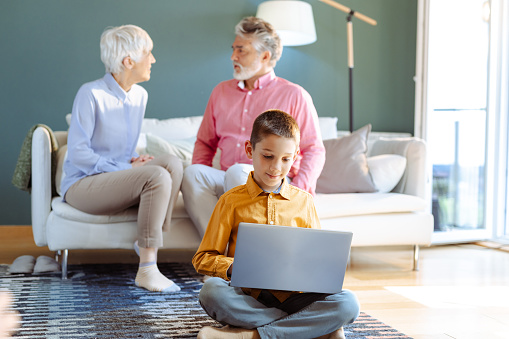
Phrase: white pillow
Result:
[173,128]
[386,170]
[141,145]
[183,149]
[328,127]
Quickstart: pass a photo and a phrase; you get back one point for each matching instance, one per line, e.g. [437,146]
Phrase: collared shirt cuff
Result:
[222,268]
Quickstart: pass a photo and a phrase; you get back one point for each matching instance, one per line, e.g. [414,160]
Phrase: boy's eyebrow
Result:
[269,150]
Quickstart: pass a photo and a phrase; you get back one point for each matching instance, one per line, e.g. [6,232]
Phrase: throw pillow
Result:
[346,166]
[183,149]
[328,127]
[172,128]
[386,170]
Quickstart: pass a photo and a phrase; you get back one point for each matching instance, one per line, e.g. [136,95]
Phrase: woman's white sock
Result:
[150,278]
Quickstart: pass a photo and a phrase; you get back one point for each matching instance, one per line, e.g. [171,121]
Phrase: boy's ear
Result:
[249,149]
[297,152]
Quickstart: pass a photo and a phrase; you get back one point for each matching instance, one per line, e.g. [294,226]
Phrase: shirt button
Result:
[272,222]
[261,87]
[245,110]
[270,196]
[243,129]
[238,145]
[249,93]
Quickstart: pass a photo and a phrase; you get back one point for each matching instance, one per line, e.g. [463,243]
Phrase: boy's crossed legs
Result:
[324,313]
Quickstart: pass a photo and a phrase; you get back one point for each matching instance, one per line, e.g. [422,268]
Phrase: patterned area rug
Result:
[101,301]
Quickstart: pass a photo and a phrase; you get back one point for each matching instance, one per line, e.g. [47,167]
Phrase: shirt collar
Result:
[254,190]
[115,87]
[261,82]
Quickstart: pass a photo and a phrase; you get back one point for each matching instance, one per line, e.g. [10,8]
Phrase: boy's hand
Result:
[229,272]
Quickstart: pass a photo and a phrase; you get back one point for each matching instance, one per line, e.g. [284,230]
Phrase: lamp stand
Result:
[349,31]
[349,39]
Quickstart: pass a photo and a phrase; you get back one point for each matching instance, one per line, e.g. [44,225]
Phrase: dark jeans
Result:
[294,303]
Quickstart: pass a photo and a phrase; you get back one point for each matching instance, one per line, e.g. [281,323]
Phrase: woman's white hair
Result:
[123,41]
[264,37]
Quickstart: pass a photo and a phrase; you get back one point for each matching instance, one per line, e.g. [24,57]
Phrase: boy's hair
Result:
[274,122]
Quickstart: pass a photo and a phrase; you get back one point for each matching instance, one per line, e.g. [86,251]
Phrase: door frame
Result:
[496,202]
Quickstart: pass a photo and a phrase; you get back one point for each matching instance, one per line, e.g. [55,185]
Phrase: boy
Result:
[266,198]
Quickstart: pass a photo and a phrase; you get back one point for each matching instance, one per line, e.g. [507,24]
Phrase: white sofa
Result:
[399,217]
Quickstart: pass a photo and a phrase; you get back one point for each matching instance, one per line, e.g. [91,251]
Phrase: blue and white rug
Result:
[101,301]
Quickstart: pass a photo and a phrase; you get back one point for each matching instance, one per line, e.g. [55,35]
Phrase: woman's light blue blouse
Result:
[105,126]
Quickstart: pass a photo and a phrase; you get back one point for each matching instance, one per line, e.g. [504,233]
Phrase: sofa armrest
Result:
[415,179]
[41,184]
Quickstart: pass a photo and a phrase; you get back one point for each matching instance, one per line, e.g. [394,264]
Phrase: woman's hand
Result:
[141,160]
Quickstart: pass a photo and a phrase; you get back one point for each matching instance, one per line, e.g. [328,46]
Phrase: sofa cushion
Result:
[386,170]
[346,166]
[66,211]
[349,204]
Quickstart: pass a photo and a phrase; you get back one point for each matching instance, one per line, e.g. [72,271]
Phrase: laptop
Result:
[290,258]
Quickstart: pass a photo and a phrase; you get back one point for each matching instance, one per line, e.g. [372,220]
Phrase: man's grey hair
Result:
[264,37]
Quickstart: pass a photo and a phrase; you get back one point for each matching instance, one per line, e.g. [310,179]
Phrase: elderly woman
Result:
[103,173]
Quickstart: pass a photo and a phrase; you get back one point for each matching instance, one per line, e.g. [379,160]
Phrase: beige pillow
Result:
[59,174]
[346,166]
[183,149]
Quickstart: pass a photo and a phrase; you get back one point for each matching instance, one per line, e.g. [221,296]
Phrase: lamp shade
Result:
[293,20]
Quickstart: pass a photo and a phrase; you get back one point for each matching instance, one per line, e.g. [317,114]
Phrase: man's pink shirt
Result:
[229,117]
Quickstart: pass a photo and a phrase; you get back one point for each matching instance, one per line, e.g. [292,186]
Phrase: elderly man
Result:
[229,116]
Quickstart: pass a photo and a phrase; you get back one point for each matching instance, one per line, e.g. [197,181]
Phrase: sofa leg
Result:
[416,257]
[65,253]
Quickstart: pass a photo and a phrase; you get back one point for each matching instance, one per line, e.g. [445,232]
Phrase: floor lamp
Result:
[349,31]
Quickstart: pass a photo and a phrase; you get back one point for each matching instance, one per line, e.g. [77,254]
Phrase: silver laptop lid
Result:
[290,258]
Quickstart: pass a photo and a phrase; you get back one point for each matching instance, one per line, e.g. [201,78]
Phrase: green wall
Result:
[50,47]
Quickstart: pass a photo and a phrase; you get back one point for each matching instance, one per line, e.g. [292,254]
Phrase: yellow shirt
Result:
[249,203]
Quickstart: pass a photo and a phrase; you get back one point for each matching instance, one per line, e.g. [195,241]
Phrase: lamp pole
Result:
[349,39]
[349,31]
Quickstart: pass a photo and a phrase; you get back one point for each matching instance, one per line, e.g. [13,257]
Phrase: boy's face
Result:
[272,158]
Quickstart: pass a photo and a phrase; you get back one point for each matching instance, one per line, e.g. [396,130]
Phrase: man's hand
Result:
[141,160]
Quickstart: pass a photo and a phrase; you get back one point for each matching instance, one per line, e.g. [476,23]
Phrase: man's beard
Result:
[246,72]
